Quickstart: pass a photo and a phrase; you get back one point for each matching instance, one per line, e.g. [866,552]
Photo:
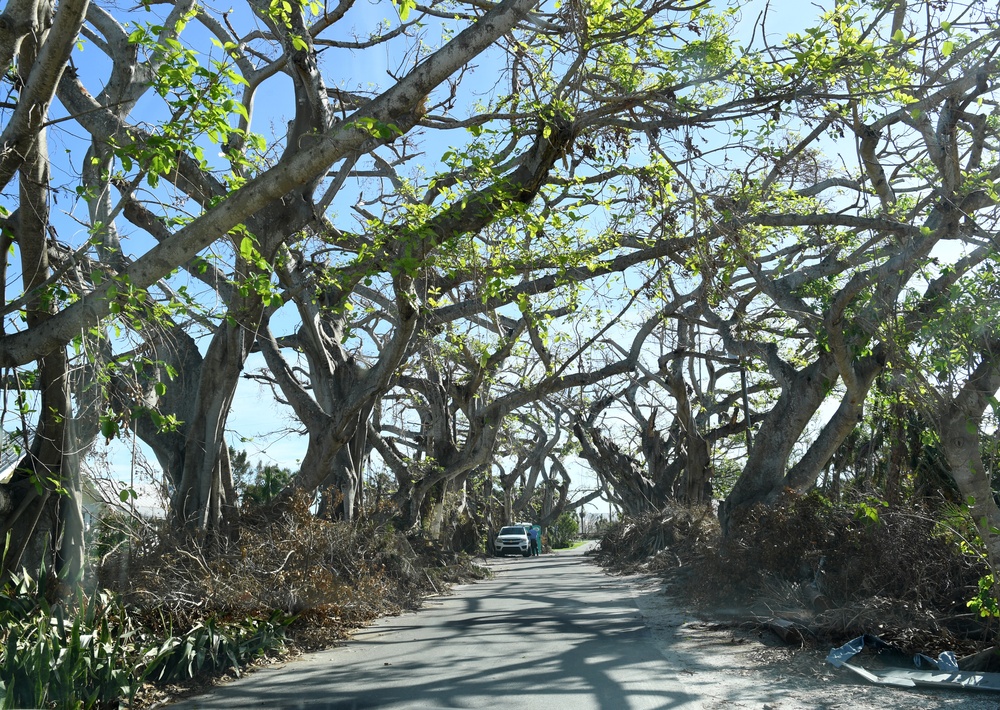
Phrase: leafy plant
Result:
[562,533]
[84,655]
[214,645]
[868,509]
[984,602]
[93,653]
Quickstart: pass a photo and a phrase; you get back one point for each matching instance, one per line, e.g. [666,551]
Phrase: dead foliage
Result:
[840,569]
[331,576]
[665,539]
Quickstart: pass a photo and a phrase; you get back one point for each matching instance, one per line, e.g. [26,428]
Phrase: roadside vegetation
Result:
[563,533]
[171,615]
[914,573]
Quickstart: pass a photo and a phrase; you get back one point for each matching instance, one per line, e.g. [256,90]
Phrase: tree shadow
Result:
[552,633]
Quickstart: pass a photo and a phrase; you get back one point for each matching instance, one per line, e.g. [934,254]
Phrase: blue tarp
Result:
[946,660]
[945,671]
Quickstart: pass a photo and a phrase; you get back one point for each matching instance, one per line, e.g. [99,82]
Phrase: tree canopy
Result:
[475,242]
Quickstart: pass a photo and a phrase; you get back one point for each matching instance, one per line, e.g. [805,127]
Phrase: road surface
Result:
[551,632]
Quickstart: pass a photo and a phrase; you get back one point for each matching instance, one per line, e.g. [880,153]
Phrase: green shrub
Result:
[213,646]
[82,655]
[91,653]
[564,531]
[173,610]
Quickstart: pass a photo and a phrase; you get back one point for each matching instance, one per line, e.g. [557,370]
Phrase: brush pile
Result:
[911,575]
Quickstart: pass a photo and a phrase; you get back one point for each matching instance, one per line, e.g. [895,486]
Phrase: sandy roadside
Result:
[737,668]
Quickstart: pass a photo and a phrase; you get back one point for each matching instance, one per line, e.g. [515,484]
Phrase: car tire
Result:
[525,554]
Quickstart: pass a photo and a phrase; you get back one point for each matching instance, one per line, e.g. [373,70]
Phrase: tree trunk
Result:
[199,500]
[662,468]
[958,423]
[621,475]
[802,476]
[763,477]
[43,526]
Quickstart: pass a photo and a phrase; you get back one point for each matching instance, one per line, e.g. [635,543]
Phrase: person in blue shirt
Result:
[533,540]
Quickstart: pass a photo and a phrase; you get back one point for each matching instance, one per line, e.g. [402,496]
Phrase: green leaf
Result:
[404,8]
[247,249]
[109,427]
[946,47]
[994,404]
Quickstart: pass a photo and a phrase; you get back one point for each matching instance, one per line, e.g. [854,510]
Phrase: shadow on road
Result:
[550,632]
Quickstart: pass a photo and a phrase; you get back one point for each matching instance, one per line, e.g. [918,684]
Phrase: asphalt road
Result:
[551,632]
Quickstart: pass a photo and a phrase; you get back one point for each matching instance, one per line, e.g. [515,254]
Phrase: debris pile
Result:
[666,539]
[820,571]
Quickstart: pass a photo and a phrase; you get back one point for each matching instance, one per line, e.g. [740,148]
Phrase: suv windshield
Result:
[512,531]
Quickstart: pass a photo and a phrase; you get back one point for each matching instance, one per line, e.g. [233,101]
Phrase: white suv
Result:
[512,538]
